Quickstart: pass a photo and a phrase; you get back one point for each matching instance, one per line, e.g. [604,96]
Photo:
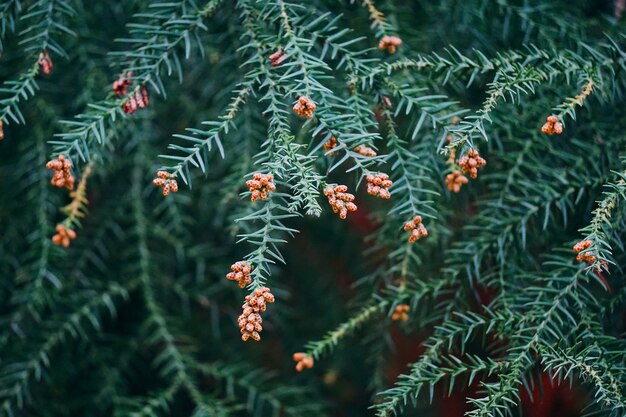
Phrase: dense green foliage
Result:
[136,316]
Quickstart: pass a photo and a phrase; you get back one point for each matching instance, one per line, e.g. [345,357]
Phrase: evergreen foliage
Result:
[494,278]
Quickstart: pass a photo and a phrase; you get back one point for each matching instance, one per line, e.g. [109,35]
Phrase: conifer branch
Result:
[592,367]
[17,376]
[77,208]
[44,18]
[149,59]
[287,162]
[9,15]
[305,101]
[266,253]
[318,348]
[602,222]
[171,362]
[29,300]
[238,379]
[379,23]
[520,81]
[203,141]
[570,104]
[425,372]
[412,174]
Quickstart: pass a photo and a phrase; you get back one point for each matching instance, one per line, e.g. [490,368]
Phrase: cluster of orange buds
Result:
[164,179]
[304,107]
[390,43]
[455,181]
[417,228]
[580,247]
[250,320]
[401,312]
[365,151]
[471,162]
[330,145]
[303,361]
[378,184]
[62,176]
[1,129]
[137,100]
[277,58]
[552,126]
[240,273]
[64,236]
[340,200]
[45,63]
[261,185]
[120,86]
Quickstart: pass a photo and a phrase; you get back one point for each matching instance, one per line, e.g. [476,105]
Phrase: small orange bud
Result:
[303,361]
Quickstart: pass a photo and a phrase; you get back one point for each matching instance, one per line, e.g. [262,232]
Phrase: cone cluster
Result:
[365,151]
[137,100]
[240,273]
[330,145]
[63,236]
[277,58]
[552,126]
[580,247]
[62,176]
[250,320]
[45,63]
[455,181]
[401,312]
[471,162]
[261,185]
[378,185]
[303,361]
[340,200]
[417,229]
[304,107]
[120,86]
[390,43]
[165,181]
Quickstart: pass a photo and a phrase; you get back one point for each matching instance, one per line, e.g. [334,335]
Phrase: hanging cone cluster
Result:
[137,100]
[303,361]
[586,257]
[250,320]
[240,273]
[401,312]
[165,181]
[304,107]
[120,86]
[330,145]
[390,43]
[471,162]
[261,185]
[378,185]
[417,228]
[455,181]
[62,176]
[45,63]
[340,200]
[64,236]
[277,58]
[552,126]
[365,151]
